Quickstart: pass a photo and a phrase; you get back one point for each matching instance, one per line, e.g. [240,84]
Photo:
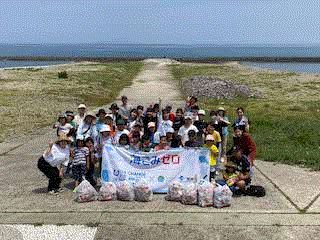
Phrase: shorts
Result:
[78,171]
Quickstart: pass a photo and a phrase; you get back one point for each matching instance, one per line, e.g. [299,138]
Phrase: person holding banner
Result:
[210,143]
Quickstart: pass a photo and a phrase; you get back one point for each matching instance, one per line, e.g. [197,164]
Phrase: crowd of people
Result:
[81,138]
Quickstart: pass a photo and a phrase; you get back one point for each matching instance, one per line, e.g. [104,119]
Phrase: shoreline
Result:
[180,59]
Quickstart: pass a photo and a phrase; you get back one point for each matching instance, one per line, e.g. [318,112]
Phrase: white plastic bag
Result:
[205,194]
[190,194]
[107,192]
[143,191]
[125,191]
[175,191]
[222,196]
[85,192]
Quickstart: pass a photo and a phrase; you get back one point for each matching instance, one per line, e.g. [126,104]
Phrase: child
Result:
[80,162]
[63,128]
[92,161]
[230,174]
[209,143]
[163,145]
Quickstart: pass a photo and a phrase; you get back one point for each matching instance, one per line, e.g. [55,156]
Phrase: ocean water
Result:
[158,51]
[24,63]
[286,66]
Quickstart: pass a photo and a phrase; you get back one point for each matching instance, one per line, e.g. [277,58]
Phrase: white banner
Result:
[160,168]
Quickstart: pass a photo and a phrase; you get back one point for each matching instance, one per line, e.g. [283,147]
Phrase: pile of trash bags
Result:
[123,191]
[204,194]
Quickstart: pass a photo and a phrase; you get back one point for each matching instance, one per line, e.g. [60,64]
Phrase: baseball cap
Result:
[221,109]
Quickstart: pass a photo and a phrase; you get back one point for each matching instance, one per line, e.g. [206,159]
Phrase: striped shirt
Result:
[80,155]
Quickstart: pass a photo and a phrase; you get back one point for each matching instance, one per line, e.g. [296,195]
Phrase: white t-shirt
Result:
[58,156]
[65,129]
[118,134]
[164,126]
[183,132]
[78,120]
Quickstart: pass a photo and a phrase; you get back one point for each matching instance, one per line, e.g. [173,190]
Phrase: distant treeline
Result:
[198,60]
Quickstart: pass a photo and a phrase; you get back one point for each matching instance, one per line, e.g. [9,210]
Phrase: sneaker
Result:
[60,190]
[52,192]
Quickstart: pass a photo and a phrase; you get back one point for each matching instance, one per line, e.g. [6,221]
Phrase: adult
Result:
[222,127]
[183,131]
[149,117]
[238,172]
[81,114]
[53,161]
[125,108]
[115,112]
[172,116]
[191,103]
[164,123]
[151,131]
[101,119]
[121,129]
[242,121]
[244,141]
[201,124]
[179,120]
[63,127]
[86,128]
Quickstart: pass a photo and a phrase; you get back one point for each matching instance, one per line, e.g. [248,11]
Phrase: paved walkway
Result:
[290,210]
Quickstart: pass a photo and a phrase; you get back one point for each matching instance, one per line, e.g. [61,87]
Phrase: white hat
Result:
[209,137]
[203,112]
[105,128]
[170,130]
[151,124]
[188,117]
[221,109]
[82,106]
[80,137]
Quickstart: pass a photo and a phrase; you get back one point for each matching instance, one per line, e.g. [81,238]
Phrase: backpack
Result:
[256,191]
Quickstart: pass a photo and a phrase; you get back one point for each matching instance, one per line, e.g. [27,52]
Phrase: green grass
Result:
[31,99]
[285,128]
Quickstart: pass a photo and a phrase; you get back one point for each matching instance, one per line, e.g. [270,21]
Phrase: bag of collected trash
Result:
[190,194]
[175,190]
[107,192]
[205,193]
[85,192]
[125,191]
[222,196]
[143,191]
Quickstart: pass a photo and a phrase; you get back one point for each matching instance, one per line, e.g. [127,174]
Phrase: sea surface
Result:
[160,51]
[24,63]
[286,66]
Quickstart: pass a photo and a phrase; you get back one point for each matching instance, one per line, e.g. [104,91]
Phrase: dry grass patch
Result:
[32,98]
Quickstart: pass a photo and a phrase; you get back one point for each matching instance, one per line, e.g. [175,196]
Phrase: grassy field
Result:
[31,98]
[285,123]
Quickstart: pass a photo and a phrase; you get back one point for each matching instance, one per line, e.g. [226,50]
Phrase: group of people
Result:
[82,136]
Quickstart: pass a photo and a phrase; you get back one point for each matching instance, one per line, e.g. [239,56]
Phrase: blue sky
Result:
[160,22]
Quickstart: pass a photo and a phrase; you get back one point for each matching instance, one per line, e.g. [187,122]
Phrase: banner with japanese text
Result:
[159,168]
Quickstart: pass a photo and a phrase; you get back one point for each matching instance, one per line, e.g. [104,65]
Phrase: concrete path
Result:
[290,210]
